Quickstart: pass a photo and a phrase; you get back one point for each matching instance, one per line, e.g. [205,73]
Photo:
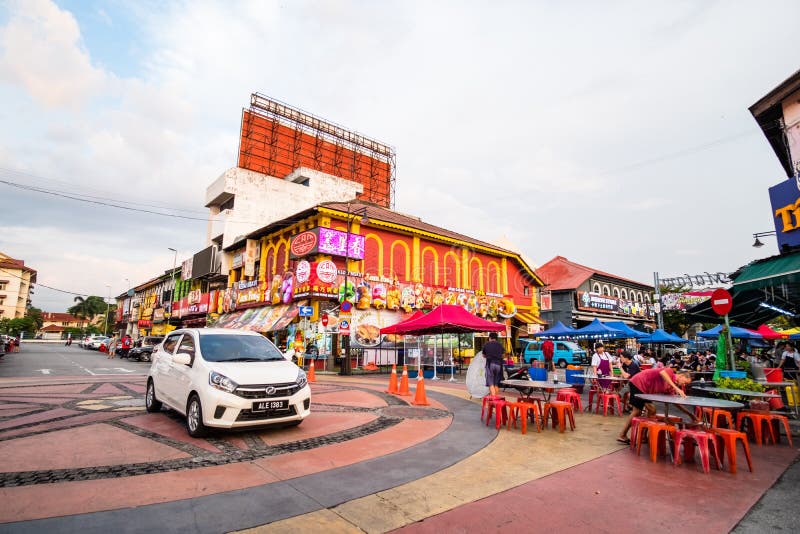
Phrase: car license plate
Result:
[269,406]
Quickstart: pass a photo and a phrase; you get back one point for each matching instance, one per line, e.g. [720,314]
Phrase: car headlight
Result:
[222,382]
[301,380]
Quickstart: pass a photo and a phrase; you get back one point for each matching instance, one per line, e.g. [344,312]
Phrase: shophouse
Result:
[576,295]
[16,286]
[386,264]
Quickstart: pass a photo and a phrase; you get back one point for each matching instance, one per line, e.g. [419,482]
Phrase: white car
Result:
[224,378]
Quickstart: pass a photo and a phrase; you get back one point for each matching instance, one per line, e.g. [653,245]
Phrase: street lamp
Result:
[758,243]
[108,307]
[174,264]
[346,364]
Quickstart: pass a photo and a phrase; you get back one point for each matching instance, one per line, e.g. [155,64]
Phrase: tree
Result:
[36,316]
[88,308]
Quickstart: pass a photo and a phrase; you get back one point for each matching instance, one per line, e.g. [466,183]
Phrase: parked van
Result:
[565,352]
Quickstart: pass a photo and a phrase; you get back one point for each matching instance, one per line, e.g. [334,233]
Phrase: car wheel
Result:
[194,418]
[151,403]
[144,357]
[562,363]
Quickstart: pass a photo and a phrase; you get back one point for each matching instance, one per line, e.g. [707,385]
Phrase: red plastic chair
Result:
[486,400]
[500,409]
[608,400]
[706,442]
[635,422]
[571,396]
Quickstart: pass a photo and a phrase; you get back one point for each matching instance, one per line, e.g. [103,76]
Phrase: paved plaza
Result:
[81,454]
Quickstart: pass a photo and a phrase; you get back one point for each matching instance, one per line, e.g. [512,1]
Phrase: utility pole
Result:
[659,313]
[108,307]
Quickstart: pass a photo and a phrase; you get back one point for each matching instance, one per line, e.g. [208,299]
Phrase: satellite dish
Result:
[476,377]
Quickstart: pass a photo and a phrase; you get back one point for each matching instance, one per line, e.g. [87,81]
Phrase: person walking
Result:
[790,361]
[548,349]
[493,352]
[112,347]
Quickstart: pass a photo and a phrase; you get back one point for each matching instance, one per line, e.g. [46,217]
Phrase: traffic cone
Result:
[419,396]
[404,383]
[393,380]
[312,375]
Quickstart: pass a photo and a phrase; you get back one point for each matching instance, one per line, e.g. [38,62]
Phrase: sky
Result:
[616,134]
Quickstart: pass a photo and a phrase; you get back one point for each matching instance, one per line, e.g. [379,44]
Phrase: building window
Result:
[596,288]
[634,296]
[3,286]
[227,205]
[616,292]
[647,297]
[526,291]
[606,291]
[624,293]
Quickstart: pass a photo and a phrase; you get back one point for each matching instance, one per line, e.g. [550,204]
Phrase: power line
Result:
[37,284]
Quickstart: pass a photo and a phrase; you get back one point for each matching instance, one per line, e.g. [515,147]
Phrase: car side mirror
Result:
[182,358]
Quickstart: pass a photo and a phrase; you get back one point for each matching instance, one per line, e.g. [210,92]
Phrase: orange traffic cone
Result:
[312,375]
[419,396]
[404,383]
[393,380]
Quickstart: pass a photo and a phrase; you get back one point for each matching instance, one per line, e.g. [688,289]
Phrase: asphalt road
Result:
[56,359]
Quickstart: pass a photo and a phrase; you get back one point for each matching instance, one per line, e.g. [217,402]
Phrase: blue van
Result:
[565,352]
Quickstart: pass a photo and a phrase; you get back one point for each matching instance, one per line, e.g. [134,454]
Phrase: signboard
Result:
[186,268]
[721,302]
[237,260]
[327,241]
[684,301]
[785,200]
[593,301]
[302,272]
[344,327]
[251,254]
[346,306]
[547,302]
[306,311]
[324,320]
[158,315]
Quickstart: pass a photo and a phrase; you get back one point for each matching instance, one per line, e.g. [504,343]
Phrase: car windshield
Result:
[233,348]
[573,346]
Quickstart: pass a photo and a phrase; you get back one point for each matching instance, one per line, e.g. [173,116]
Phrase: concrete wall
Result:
[261,199]
[17,292]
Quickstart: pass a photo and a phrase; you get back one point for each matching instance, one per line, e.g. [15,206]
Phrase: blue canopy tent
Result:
[736,332]
[659,337]
[598,330]
[622,327]
[559,331]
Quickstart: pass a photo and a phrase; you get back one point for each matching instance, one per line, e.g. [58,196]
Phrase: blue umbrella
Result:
[659,336]
[622,327]
[559,331]
[597,330]
[736,332]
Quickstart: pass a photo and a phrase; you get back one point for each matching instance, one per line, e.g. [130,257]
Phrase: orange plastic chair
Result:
[571,396]
[657,439]
[718,414]
[775,421]
[635,422]
[755,425]
[559,412]
[726,444]
[519,410]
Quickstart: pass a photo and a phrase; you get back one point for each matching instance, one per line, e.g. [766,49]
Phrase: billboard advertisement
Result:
[785,201]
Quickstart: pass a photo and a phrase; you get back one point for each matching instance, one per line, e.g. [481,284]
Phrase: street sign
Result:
[346,306]
[344,327]
[324,320]
[306,311]
[721,302]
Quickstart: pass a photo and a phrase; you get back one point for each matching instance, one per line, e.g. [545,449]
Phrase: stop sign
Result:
[324,320]
[721,301]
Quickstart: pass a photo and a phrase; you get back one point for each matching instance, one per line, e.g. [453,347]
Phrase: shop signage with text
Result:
[327,241]
[785,200]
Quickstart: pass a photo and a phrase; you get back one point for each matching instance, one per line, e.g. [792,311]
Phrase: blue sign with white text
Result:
[785,200]
[306,311]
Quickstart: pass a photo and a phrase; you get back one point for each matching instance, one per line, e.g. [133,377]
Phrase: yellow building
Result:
[16,281]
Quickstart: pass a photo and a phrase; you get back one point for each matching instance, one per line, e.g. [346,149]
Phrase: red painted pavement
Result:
[92,445]
[44,416]
[66,423]
[620,493]
[108,389]
[316,424]
[165,426]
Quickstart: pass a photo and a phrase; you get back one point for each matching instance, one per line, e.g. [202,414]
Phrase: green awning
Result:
[768,272]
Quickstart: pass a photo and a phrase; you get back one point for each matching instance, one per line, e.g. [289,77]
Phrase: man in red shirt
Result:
[547,351]
[654,381]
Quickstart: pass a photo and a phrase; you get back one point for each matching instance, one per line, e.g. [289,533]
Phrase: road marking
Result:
[44,371]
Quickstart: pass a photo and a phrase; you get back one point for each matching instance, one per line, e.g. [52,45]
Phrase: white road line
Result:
[78,365]
[44,371]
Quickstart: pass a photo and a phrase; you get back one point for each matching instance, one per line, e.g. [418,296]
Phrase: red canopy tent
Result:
[444,319]
[768,333]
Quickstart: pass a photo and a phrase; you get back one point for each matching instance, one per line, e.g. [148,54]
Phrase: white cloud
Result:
[40,49]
